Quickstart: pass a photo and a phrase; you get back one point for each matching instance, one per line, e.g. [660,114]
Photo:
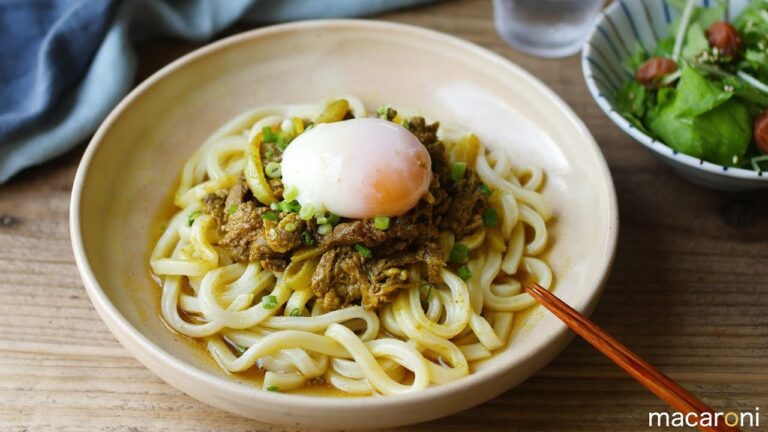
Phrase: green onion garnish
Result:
[333,219]
[381,222]
[273,170]
[232,209]
[484,189]
[490,217]
[362,250]
[269,302]
[270,216]
[325,229]
[426,290]
[295,312]
[274,206]
[283,141]
[458,170]
[306,212]
[193,216]
[273,388]
[290,194]
[322,220]
[464,272]
[290,227]
[459,253]
[382,111]
[267,135]
[306,238]
[289,206]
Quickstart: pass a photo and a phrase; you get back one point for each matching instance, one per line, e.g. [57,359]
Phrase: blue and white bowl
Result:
[621,27]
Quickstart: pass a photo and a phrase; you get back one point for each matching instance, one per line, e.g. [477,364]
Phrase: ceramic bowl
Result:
[134,160]
[621,27]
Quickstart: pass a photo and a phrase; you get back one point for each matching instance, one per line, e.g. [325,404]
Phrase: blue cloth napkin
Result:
[65,63]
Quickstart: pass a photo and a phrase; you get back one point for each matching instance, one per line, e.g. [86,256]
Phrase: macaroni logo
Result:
[707,419]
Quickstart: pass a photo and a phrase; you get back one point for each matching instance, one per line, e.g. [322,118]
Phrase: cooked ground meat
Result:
[280,239]
[340,279]
[345,276]
[350,233]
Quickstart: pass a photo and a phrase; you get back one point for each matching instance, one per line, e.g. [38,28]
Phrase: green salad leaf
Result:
[695,42]
[752,22]
[632,102]
[749,95]
[752,25]
[636,59]
[696,94]
[703,16]
[701,119]
[633,99]
[665,47]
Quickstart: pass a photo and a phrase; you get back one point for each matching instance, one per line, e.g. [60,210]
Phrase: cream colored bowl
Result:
[133,162]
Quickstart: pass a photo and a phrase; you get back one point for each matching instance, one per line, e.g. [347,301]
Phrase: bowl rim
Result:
[120,326]
[646,140]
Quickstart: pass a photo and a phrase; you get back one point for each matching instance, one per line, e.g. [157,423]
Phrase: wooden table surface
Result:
[689,292]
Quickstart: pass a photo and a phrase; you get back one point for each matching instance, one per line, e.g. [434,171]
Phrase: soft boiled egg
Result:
[359,168]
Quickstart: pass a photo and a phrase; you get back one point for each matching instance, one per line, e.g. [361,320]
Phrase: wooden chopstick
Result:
[661,385]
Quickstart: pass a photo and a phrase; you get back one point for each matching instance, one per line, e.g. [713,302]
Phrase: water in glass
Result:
[545,28]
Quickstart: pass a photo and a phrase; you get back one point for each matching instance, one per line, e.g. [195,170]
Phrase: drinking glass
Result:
[545,28]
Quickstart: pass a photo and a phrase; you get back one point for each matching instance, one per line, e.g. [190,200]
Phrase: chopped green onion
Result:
[458,170]
[273,388]
[273,170]
[325,229]
[362,250]
[290,227]
[267,135]
[232,209]
[289,206]
[426,290]
[464,272]
[270,216]
[484,189]
[459,253]
[282,142]
[382,111]
[381,222]
[295,312]
[333,219]
[306,238]
[306,212]
[274,206]
[269,302]
[490,217]
[193,216]
[322,220]
[290,193]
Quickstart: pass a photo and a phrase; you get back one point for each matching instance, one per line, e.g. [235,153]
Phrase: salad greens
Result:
[707,105]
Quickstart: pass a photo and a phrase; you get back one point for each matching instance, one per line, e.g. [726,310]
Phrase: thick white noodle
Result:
[251,317]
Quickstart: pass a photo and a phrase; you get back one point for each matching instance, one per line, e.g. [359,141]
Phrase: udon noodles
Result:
[418,340]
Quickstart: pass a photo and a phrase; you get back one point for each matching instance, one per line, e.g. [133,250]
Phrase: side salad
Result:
[703,90]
